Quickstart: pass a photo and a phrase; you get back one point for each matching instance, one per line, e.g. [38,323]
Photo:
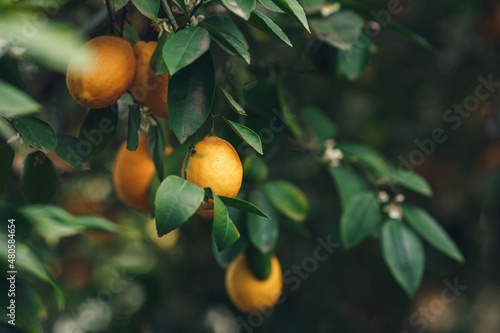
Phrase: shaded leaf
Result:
[288,199]
[228,42]
[289,118]
[353,62]
[243,205]
[242,8]
[38,180]
[294,9]
[246,134]
[264,23]
[37,133]
[119,4]
[157,63]
[73,151]
[340,29]
[6,156]
[148,8]
[410,180]
[15,102]
[348,183]
[134,123]
[224,230]
[181,5]
[156,144]
[132,33]
[319,123]
[99,128]
[262,232]
[232,103]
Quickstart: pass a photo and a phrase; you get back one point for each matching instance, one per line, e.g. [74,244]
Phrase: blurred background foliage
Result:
[131,281]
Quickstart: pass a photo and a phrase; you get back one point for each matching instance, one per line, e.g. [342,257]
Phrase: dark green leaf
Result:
[365,156]
[190,96]
[289,117]
[243,205]
[294,9]
[319,123]
[227,255]
[134,123]
[38,180]
[404,255]
[226,26]
[242,8]
[157,63]
[224,230]
[176,201]
[254,169]
[268,4]
[148,8]
[15,102]
[263,233]
[97,223]
[264,23]
[119,4]
[132,33]
[431,231]
[37,133]
[246,134]
[228,42]
[6,156]
[288,199]
[410,180]
[340,30]
[99,128]
[184,47]
[348,183]
[353,62]
[73,151]
[232,103]
[181,5]
[156,144]
[412,36]
[259,263]
[360,218]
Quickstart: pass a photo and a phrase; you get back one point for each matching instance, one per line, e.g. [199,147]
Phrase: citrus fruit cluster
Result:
[108,66]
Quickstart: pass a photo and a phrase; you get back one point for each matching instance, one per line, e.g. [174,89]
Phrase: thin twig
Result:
[112,17]
[170,15]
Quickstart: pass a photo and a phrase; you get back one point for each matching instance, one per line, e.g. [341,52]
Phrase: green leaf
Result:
[412,36]
[348,182]
[319,123]
[410,180]
[226,26]
[289,118]
[263,232]
[288,199]
[15,102]
[73,151]
[242,8]
[353,62]
[360,218]
[97,223]
[364,156]
[243,205]
[224,230]
[294,9]
[6,156]
[228,42]
[340,29]
[269,4]
[254,169]
[431,231]
[148,8]
[132,33]
[134,123]
[404,255]
[119,4]
[99,128]
[232,103]
[38,180]
[156,144]
[230,253]
[176,201]
[6,130]
[181,5]
[37,133]
[157,63]
[190,96]
[246,134]
[184,47]
[264,23]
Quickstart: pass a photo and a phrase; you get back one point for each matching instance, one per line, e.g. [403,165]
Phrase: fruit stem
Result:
[170,16]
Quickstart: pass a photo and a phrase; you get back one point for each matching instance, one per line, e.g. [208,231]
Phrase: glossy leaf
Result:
[431,231]
[404,255]
[319,123]
[226,26]
[246,134]
[6,156]
[348,182]
[360,218]
[232,103]
[37,133]
[264,23]
[190,96]
[243,205]
[184,47]
[262,232]
[294,9]
[99,128]
[38,180]
[73,151]
[340,30]
[148,8]
[228,42]
[156,144]
[288,199]
[134,123]
[353,62]
[230,253]
[242,8]
[224,230]
[176,201]
[269,4]
[15,102]
[157,63]
[410,180]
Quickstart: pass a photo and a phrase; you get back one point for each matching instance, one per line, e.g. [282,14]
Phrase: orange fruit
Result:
[147,88]
[248,293]
[102,71]
[132,174]
[206,214]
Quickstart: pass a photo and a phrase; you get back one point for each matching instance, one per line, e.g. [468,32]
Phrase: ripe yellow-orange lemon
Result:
[102,72]
[248,293]
[132,174]
[148,89]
